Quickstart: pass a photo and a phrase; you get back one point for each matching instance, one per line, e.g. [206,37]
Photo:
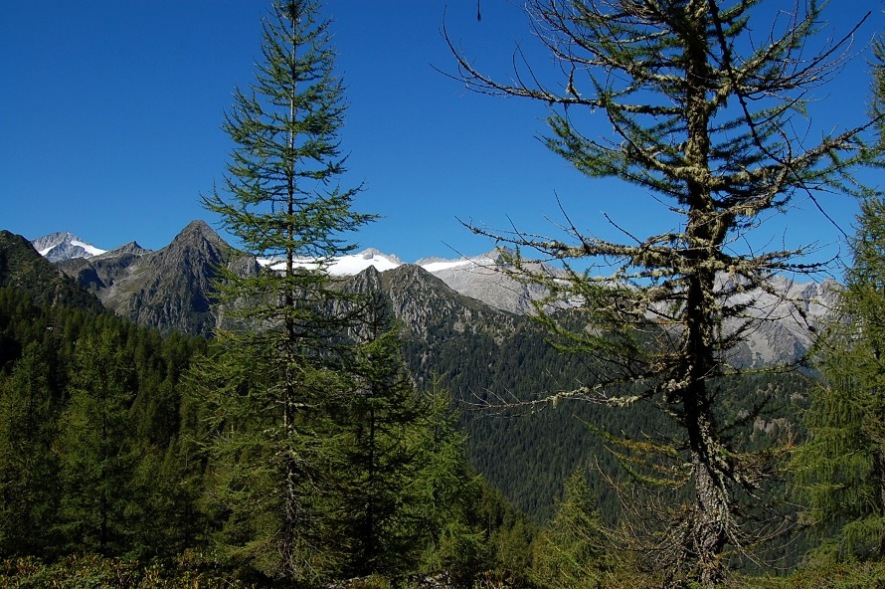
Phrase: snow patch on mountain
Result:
[349,265]
[356,263]
[56,247]
[436,265]
[353,264]
[87,247]
[489,259]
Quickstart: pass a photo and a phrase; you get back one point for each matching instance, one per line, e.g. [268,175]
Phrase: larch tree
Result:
[703,114]
[377,454]
[277,368]
[571,551]
[95,443]
[840,469]
[28,467]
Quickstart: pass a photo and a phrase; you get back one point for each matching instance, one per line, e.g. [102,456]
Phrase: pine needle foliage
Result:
[701,106]
[840,470]
[275,371]
[28,467]
[97,457]
[571,551]
[377,453]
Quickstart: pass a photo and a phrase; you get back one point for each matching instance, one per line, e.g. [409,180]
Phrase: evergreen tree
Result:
[28,466]
[278,373]
[95,448]
[454,535]
[165,478]
[840,469]
[701,110]
[571,551]
[377,457]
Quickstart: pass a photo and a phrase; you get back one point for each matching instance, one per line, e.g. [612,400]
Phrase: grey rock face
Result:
[170,289]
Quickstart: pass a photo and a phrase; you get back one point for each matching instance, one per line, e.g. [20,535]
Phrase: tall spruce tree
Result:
[571,551]
[701,109]
[28,466]
[840,469]
[377,449]
[95,447]
[276,375]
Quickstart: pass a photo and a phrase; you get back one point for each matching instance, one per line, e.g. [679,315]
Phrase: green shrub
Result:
[190,570]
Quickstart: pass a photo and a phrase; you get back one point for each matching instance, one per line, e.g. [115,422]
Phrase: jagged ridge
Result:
[170,289]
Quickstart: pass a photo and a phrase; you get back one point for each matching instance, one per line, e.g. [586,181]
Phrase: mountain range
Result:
[466,326]
[170,289]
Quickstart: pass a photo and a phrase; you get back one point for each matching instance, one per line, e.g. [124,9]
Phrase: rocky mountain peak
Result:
[425,304]
[198,232]
[170,289]
[367,281]
[52,240]
[132,248]
[198,243]
[56,247]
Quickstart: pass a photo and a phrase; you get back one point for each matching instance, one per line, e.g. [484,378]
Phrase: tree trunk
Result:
[291,499]
[711,515]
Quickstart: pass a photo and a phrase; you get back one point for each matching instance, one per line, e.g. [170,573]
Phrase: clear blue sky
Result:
[110,114]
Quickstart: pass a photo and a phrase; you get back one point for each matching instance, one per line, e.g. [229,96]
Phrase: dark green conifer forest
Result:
[315,441]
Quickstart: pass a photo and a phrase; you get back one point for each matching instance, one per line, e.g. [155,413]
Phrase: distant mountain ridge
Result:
[171,288]
[24,269]
[476,276]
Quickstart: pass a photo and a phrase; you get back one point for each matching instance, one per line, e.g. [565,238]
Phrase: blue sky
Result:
[110,114]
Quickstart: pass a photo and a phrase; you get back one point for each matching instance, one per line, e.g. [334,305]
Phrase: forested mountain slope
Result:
[103,450]
[22,268]
[483,355]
